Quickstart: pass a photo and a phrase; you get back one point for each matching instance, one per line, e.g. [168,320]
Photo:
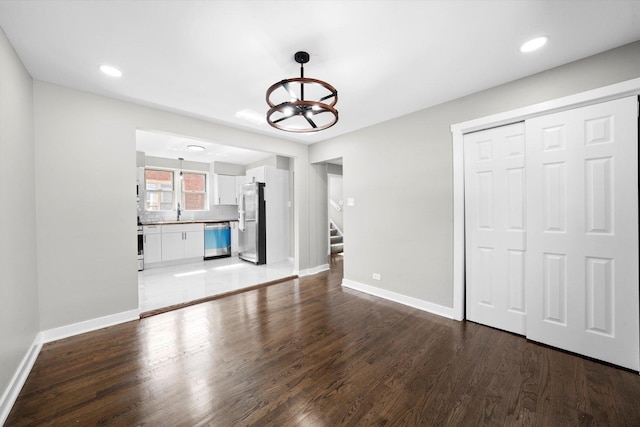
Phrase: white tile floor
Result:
[165,286]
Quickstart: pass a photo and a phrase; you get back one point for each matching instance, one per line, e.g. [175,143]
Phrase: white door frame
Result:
[606,93]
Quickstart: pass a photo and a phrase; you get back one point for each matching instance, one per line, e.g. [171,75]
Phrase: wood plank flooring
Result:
[307,352]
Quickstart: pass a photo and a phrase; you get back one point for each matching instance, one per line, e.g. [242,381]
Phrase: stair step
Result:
[337,245]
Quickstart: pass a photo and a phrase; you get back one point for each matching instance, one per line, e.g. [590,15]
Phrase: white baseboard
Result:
[429,307]
[88,325]
[313,270]
[19,378]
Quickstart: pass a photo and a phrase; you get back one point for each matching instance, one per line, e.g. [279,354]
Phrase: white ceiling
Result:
[212,59]
[171,146]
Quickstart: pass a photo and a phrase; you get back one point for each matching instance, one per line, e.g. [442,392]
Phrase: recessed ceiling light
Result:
[195,148]
[110,71]
[533,44]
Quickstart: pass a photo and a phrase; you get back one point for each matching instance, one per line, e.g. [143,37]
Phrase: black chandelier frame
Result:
[300,107]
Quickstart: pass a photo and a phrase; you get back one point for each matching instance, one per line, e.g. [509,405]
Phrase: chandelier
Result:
[292,112]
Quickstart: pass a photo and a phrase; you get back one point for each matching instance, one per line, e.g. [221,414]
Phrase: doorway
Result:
[223,170]
[335,220]
[336,214]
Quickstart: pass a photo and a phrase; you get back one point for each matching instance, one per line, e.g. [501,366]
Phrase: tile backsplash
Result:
[215,212]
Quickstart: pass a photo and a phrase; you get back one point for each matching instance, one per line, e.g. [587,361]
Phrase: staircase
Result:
[337,246]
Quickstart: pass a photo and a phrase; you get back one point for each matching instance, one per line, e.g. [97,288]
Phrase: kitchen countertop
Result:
[195,221]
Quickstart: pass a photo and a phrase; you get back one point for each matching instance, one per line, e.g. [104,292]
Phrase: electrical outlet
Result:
[377,276]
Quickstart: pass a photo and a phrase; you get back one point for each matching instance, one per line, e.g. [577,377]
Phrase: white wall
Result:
[228,169]
[400,175]
[318,198]
[85,189]
[18,280]
[276,194]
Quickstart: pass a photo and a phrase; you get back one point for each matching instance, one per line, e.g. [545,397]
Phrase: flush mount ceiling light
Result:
[195,148]
[533,44]
[110,71]
[291,112]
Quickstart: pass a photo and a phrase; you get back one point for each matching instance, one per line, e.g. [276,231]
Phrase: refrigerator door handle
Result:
[241,219]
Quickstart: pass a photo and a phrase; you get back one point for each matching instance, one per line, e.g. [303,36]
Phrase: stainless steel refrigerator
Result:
[252,231]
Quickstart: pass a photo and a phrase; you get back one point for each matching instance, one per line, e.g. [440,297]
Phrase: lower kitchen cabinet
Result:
[182,241]
[234,237]
[194,243]
[152,243]
[172,245]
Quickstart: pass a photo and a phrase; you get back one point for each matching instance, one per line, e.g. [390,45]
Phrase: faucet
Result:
[178,211]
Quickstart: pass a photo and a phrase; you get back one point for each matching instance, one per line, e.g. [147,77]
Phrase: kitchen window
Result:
[159,190]
[194,191]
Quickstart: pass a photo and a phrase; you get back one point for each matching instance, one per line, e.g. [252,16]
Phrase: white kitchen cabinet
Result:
[234,237]
[194,243]
[152,244]
[256,174]
[224,190]
[172,243]
[182,241]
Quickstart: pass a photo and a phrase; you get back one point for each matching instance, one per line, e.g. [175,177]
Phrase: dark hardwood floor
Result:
[309,353]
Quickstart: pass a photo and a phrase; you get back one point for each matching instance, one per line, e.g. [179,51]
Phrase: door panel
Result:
[582,249]
[496,227]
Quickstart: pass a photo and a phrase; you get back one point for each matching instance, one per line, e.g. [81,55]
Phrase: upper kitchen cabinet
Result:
[224,190]
[257,174]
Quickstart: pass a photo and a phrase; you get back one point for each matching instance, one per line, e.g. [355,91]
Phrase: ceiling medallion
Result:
[291,112]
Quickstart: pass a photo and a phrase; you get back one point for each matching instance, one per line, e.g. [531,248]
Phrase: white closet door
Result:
[582,249]
[495,227]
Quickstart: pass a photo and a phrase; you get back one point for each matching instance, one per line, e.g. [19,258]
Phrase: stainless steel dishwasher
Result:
[217,240]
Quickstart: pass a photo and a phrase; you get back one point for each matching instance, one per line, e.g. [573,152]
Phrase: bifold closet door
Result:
[582,248]
[495,227]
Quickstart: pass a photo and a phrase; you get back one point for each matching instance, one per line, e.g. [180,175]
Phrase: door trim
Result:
[606,93]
